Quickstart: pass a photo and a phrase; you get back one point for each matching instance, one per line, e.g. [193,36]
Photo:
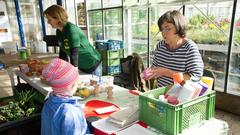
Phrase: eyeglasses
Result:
[166,29]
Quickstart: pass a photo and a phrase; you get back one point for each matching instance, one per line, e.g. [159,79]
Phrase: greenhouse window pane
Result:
[234,70]
[209,26]
[10,7]
[95,24]
[142,2]
[30,15]
[49,29]
[113,24]
[5,32]
[70,6]
[134,2]
[93,4]
[112,3]
[156,1]
[129,2]
[136,32]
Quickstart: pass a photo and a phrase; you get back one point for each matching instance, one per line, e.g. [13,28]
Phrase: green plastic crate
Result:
[111,54]
[111,62]
[172,119]
[111,70]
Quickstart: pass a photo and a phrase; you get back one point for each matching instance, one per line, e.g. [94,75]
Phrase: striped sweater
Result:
[185,59]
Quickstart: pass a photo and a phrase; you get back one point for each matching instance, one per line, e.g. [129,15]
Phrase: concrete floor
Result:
[5,84]
[232,120]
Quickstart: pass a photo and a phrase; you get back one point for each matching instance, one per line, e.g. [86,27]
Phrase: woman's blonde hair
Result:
[57,12]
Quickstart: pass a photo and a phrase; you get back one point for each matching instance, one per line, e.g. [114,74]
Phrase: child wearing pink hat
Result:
[61,113]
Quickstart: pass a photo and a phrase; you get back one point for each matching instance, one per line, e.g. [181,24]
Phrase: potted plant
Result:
[21,113]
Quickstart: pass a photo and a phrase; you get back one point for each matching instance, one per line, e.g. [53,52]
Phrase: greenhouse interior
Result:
[123,67]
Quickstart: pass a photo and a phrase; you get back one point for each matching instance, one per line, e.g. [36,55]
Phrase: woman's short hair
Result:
[177,19]
[57,12]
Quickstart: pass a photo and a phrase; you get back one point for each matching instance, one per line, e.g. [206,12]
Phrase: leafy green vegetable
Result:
[12,111]
[27,102]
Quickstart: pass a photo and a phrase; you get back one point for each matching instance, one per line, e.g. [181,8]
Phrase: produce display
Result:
[33,67]
[26,102]
[83,92]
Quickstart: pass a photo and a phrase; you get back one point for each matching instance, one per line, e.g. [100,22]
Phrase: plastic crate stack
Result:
[111,51]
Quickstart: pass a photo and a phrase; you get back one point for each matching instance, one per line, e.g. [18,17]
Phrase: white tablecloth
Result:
[121,95]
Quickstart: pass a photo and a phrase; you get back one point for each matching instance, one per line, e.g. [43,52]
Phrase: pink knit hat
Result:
[61,75]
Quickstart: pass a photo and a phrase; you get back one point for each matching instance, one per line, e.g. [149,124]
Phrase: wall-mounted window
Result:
[106,22]
[49,29]
[93,4]
[234,68]
[5,32]
[113,24]
[95,24]
[111,3]
[130,2]
[71,10]
[30,18]
[136,31]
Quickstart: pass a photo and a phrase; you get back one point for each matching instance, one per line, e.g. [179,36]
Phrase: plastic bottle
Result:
[22,53]
[177,77]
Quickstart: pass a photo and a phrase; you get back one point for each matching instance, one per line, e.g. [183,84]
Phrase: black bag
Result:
[131,68]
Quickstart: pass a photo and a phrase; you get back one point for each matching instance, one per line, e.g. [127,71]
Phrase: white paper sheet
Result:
[135,129]
[105,109]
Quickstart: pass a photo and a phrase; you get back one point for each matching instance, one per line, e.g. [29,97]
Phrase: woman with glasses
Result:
[175,53]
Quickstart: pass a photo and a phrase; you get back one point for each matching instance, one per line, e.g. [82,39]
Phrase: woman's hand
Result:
[156,72]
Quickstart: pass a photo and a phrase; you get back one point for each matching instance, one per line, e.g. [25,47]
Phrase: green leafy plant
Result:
[199,21]
[25,103]
[204,31]
[24,97]
[2,118]
[207,36]
[12,111]
[237,36]
[30,111]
